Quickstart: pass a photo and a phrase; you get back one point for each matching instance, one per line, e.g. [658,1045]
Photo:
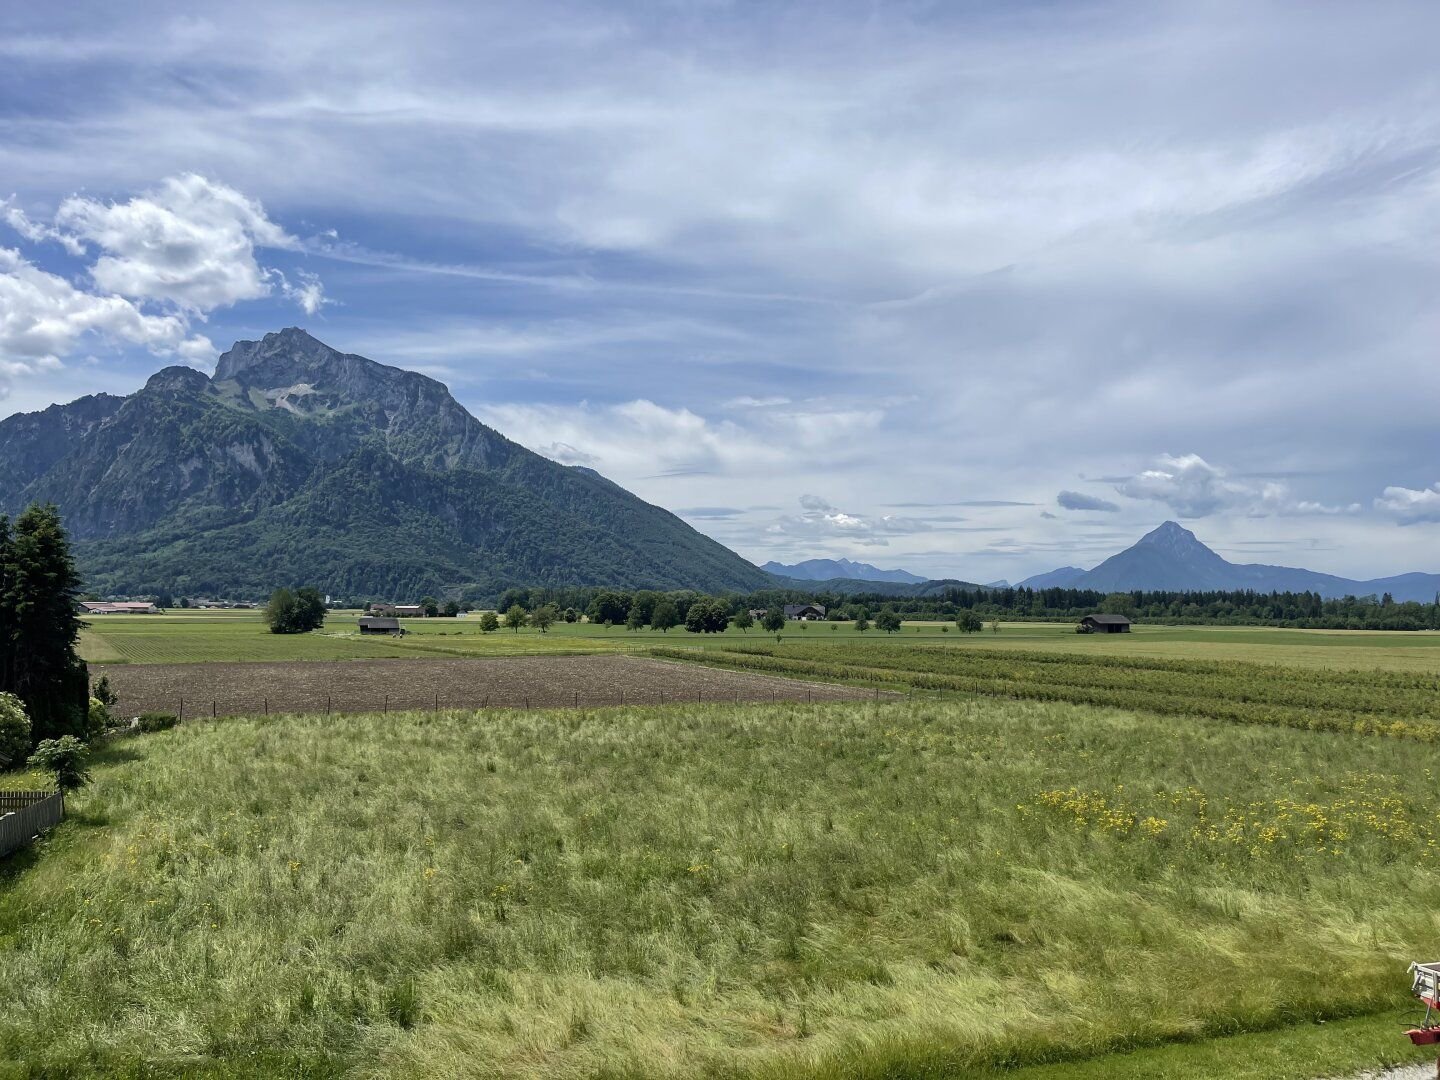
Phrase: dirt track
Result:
[374,685]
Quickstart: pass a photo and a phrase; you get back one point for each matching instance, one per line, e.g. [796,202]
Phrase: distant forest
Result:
[1304,610]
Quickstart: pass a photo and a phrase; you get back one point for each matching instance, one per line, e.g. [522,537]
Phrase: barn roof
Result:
[1108,620]
[376,623]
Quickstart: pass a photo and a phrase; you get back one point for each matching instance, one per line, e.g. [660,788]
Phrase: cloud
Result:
[567,454]
[747,401]
[1410,506]
[309,294]
[822,521]
[1194,488]
[189,242]
[167,257]
[43,317]
[710,513]
[1074,500]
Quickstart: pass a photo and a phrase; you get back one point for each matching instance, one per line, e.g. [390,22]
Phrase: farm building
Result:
[758,613]
[1105,624]
[397,611]
[804,612]
[370,624]
[92,607]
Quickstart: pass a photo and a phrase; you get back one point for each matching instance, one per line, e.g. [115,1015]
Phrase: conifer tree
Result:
[39,625]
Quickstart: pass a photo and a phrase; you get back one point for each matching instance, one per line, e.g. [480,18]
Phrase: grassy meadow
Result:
[920,889]
[197,636]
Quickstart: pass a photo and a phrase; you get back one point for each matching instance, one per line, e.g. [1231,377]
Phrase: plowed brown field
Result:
[373,685]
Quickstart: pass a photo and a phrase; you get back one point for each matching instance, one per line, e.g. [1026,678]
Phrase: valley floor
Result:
[926,888]
[202,636]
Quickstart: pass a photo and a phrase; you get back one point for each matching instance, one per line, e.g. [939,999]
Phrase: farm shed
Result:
[1105,624]
[373,625]
[804,612]
[91,607]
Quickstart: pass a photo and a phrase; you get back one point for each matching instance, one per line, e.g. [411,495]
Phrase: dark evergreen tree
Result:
[39,625]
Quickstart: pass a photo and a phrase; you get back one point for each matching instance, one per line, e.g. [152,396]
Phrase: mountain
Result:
[1172,558]
[1064,578]
[298,464]
[826,569]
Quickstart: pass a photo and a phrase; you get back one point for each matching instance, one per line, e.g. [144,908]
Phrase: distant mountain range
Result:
[829,569]
[297,464]
[1171,558]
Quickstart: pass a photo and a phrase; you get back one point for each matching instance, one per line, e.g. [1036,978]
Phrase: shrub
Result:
[14,731]
[97,719]
[156,721]
[103,691]
[66,758]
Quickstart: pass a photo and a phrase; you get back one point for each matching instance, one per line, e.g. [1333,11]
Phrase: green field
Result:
[919,889]
[241,635]
[1183,852]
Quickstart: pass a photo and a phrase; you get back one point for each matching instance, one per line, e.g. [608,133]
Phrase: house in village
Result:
[805,612]
[1104,624]
[397,611]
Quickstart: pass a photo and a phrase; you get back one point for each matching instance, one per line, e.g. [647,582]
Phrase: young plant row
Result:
[1252,695]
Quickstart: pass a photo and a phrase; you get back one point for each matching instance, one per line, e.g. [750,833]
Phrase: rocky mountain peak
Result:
[290,350]
[177,378]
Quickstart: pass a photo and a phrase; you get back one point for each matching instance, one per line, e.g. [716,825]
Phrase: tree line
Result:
[1306,610]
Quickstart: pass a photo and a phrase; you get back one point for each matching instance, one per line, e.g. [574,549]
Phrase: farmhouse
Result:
[124,607]
[758,613]
[804,612]
[1105,624]
[397,611]
[370,624]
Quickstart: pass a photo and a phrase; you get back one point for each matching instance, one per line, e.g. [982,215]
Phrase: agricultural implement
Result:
[1425,985]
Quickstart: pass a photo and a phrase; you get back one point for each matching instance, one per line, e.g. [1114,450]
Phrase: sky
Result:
[973,289]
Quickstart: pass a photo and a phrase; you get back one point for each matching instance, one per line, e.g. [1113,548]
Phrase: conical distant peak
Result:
[1169,532]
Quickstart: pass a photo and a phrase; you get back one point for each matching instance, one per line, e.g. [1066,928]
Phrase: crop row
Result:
[1241,682]
[1240,694]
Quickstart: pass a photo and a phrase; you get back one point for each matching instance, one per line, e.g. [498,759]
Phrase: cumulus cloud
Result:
[1410,506]
[43,316]
[1194,488]
[165,258]
[190,242]
[1074,500]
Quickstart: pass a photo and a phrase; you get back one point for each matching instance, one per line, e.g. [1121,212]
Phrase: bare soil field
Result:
[232,689]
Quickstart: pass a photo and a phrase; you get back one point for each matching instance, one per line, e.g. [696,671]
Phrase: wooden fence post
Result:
[182,708]
[213,710]
[266,705]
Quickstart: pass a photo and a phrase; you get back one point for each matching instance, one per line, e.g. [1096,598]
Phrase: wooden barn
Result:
[1104,624]
[370,624]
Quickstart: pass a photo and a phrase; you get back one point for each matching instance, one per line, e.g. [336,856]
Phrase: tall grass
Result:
[849,890]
